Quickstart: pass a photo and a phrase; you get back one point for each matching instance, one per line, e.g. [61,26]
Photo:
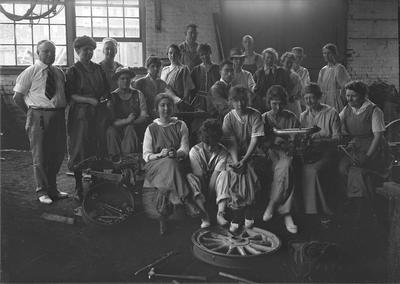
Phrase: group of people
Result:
[109,114]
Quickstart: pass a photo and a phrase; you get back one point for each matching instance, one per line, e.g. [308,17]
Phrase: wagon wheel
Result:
[220,247]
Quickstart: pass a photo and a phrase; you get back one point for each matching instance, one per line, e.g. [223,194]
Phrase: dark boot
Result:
[78,194]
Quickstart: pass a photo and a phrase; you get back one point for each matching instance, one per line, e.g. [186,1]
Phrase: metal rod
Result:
[155,262]
[233,277]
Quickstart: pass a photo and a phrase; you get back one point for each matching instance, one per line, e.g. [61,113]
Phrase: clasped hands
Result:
[167,152]
[238,167]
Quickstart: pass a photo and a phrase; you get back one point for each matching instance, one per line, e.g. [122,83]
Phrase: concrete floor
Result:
[37,250]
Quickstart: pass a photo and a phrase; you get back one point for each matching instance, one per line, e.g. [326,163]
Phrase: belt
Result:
[47,109]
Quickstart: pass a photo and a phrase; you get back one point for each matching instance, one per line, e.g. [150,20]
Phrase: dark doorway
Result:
[283,24]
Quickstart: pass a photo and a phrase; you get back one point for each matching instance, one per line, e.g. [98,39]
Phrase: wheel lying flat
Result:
[218,246]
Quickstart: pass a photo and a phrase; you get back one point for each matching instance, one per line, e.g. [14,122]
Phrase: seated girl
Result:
[165,145]
[242,128]
[282,187]
[129,111]
[209,161]
[318,162]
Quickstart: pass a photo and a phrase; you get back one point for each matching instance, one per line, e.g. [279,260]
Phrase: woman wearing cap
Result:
[332,78]
[165,146]
[241,77]
[293,104]
[129,111]
[363,122]
[204,75]
[269,75]
[109,65]
[282,187]
[318,161]
[86,86]
[151,84]
[253,60]
[177,76]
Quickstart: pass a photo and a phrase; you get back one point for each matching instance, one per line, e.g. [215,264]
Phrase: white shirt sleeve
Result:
[250,81]
[24,81]
[378,122]
[147,145]
[184,148]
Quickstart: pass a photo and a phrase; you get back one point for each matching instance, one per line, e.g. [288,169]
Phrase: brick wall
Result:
[176,14]
[373,40]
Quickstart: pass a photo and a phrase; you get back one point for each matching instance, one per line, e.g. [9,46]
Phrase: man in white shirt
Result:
[39,91]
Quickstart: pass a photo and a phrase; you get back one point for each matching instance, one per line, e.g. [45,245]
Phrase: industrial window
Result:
[119,19]
[18,38]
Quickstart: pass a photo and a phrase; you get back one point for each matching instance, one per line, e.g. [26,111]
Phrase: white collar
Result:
[362,108]
[41,65]
[173,120]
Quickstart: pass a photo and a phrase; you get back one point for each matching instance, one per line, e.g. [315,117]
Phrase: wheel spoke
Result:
[230,250]
[251,250]
[241,251]
[261,247]
[218,247]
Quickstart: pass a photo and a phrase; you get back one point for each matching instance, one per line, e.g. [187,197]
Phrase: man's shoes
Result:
[45,199]
[248,223]
[221,219]
[289,224]
[267,215]
[59,195]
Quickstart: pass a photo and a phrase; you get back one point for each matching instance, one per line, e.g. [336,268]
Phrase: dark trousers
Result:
[46,133]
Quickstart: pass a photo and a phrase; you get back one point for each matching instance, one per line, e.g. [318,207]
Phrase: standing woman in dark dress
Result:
[86,86]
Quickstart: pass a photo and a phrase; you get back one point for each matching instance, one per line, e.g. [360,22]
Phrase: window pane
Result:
[23,34]
[40,9]
[82,10]
[9,9]
[132,28]
[58,34]
[61,55]
[114,2]
[131,12]
[24,55]
[7,33]
[20,10]
[7,55]
[115,12]
[99,27]
[60,17]
[116,27]
[131,2]
[130,54]
[99,11]
[83,27]
[40,32]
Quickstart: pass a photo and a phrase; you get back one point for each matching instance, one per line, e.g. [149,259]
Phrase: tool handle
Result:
[233,277]
[155,262]
[186,277]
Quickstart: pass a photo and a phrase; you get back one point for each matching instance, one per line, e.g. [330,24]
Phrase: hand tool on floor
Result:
[341,147]
[233,277]
[152,274]
[155,262]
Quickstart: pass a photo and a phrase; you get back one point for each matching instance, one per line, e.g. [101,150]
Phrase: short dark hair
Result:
[160,97]
[210,131]
[82,41]
[314,89]
[271,51]
[153,59]
[204,48]
[223,63]
[193,26]
[239,93]
[332,48]
[176,47]
[277,92]
[358,86]
[288,54]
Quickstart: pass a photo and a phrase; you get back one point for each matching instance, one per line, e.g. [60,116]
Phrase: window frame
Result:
[70,23]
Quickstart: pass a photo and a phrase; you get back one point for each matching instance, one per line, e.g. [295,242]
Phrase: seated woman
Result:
[322,156]
[363,121]
[242,128]
[129,111]
[165,144]
[282,187]
[151,84]
[209,161]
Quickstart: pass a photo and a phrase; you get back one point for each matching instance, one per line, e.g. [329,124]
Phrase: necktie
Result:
[50,84]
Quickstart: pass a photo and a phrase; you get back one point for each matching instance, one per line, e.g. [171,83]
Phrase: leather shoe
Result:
[60,195]
[45,199]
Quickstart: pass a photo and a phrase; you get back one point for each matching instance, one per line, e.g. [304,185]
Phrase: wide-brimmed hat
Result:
[236,52]
[121,70]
